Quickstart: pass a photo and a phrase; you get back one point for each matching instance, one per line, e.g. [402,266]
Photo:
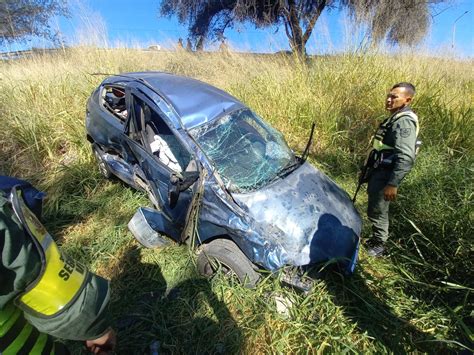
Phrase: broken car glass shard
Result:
[246,152]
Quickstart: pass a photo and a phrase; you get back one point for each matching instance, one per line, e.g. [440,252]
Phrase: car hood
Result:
[316,217]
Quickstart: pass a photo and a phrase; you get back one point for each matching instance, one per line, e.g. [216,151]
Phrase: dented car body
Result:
[211,165]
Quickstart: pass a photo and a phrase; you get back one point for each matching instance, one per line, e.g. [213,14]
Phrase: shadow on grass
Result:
[186,318]
[364,304]
[366,308]
[372,315]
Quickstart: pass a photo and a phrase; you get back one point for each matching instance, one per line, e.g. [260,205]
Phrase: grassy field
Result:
[419,299]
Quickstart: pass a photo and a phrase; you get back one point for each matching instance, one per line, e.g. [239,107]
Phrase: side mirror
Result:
[180,183]
[173,193]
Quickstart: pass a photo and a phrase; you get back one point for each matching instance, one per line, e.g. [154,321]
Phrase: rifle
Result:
[365,172]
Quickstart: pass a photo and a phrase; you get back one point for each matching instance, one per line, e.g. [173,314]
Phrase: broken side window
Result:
[247,153]
[113,100]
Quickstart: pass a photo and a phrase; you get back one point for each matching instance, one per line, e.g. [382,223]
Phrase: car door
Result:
[156,172]
[104,122]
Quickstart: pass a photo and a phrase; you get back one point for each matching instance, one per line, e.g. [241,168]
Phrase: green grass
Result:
[417,300]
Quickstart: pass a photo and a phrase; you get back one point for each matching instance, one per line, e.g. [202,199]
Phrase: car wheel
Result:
[103,167]
[225,256]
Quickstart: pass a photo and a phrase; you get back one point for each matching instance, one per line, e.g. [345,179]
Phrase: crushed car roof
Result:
[194,101]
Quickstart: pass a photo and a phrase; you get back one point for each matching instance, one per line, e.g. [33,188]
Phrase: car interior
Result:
[159,140]
[114,101]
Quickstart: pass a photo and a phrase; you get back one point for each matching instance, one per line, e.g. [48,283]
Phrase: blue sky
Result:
[137,23]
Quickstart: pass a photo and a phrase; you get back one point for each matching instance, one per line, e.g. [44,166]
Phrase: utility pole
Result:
[454,28]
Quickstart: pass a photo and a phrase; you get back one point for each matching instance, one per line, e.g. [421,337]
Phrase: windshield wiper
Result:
[287,169]
[293,165]
[306,151]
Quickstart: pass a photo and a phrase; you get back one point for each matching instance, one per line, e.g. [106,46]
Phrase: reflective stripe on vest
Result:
[378,144]
[17,336]
[60,279]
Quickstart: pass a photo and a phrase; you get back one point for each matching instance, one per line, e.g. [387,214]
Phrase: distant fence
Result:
[29,53]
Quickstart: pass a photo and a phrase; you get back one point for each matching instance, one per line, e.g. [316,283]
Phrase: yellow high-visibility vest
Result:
[60,280]
[17,336]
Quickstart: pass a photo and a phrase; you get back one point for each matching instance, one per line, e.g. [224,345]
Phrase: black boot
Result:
[375,247]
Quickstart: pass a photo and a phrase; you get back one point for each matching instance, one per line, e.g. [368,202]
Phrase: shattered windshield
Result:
[247,152]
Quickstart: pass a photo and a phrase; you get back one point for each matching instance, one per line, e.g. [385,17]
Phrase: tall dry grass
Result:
[419,299]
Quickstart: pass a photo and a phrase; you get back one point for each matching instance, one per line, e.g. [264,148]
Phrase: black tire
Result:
[225,255]
[102,165]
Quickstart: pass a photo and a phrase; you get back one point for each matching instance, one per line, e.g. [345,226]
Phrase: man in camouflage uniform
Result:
[394,147]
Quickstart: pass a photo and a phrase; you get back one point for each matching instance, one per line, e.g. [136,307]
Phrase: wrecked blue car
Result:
[220,178]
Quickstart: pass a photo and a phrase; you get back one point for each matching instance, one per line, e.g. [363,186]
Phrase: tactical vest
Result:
[382,153]
[378,141]
[58,284]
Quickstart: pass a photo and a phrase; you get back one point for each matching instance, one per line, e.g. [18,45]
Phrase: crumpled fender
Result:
[219,218]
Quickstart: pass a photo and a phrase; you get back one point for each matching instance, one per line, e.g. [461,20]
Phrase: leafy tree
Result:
[20,19]
[401,21]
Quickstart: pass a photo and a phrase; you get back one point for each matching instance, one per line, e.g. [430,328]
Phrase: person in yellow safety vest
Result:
[394,148]
[44,293]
